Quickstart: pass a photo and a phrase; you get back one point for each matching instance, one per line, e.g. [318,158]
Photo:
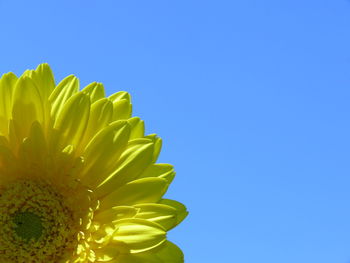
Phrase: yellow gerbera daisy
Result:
[78,178]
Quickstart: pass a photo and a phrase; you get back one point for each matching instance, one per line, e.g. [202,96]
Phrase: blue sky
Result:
[251,99]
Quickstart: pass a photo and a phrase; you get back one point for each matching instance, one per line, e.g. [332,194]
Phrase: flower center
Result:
[28,226]
[35,223]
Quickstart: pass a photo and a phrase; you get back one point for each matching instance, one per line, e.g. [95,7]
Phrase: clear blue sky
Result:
[251,98]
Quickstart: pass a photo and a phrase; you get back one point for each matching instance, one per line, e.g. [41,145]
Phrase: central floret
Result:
[28,226]
[35,223]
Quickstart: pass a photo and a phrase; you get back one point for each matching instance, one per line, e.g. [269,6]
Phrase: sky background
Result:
[251,99]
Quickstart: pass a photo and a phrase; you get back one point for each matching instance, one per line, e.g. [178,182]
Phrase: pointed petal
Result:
[181,210]
[137,127]
[72,120]
[27,106]
[95,91]
[121,105]
[100,116]
[115,213]
[161,170]
[120,95]
[44,80]
[102,153]
[157,146]
[145,190]
[164,215]
[121,110]
[33,152]
[64,90]
[7,84]
[132,162]
[139,234]
[170,253]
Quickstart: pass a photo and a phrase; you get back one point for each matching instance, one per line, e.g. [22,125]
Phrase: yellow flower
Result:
[79,180]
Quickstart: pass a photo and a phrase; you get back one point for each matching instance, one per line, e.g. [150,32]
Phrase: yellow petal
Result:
[164,215]
[115,213]
[100,116]
[7,84]
[121,110]
[72,120]
[27,106]
[102,153]
[157,146]
[170,253]
[33,152]
[120,95]
[137,127]
[181,210]
[162,170]
[139,234]
[95,91]
[132,162]
[145,190]
[121,105]
[64,90]
[44,80]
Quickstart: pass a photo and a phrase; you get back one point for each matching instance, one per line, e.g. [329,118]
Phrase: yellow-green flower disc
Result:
[79,180]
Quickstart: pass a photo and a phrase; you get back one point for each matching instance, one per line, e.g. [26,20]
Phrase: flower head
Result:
[79,180]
